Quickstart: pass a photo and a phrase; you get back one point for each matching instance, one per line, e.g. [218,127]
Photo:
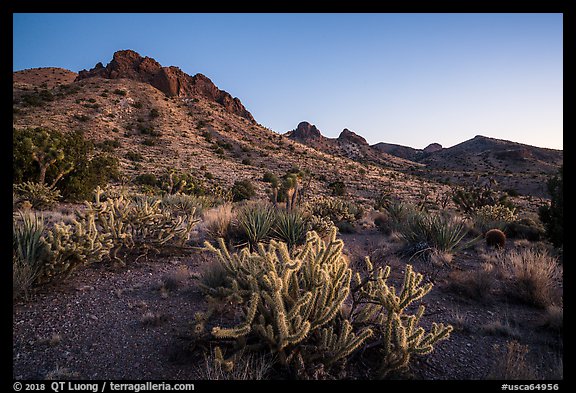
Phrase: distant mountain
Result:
[515,166]
[348,144]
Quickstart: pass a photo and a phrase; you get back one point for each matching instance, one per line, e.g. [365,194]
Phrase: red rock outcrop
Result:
[172,81]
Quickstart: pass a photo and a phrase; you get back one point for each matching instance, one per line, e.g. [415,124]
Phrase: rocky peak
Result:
[349,136]
[433,147]
[306,130]
[172,81]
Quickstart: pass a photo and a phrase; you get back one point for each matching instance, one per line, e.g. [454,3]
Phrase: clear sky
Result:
[409,79]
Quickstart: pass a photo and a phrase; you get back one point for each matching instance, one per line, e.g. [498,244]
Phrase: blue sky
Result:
[409,79]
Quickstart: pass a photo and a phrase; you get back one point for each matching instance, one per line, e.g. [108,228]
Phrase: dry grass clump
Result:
[175,279]
[474,284]
[513,365]
[217,221]
[534,277]
[553,318]
[246,367]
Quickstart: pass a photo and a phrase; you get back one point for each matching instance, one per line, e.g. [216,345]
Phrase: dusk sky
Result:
[408,79]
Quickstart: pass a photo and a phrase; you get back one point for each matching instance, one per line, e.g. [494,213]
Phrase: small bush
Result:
[40,196]
[120,92]
[242,189]
[149,142]
[495,238]
[269,177]
[154,113]
[134,156]
[246,161]
[553,215]
[525,228]
[338,188]
[146,179]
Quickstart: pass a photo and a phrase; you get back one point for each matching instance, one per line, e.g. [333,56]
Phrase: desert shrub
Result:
[39,195]
[475,284]
[534,277]
[495,238]
[290,227]
[29,251]
[119,92]
[246,161]
[242,189]
[182,182]
[492,216]
[398,212]
[96,172]
[154,113]
[525,228]
[254,223]
[295,306]
[338,188]
[249,367]
[382,222]
[148,179]
[134,156]
[552,216]
[217,221]
[269,177]
[513,364]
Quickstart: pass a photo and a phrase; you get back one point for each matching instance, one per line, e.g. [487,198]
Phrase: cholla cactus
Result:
[71,246]
[296,305]
[496,216]
[400,334]
[130,222]
[291,298]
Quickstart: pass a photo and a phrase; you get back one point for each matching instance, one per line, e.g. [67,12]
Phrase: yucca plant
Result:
[254,223]
[28,251]
[290,227]
[439,231]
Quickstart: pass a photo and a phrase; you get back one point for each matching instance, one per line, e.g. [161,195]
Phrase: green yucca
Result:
[40,195]
[290,227]
[442,232]
[254,223]
[29,250]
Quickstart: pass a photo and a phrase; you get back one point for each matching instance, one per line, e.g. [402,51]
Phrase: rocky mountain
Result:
[348,144]
[172,81]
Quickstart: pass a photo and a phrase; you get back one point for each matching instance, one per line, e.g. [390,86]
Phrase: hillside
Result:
[191,131]
[514,166]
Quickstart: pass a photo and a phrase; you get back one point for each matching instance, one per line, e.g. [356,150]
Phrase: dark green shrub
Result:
[269,177]
[345,227]
[552,216]
[134,156]
[525,228]
[246,161]
[338,188]
[495,238]
[154,113]
[382,222]
[120,92]
[149,142]
[242,189]
[146,179]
